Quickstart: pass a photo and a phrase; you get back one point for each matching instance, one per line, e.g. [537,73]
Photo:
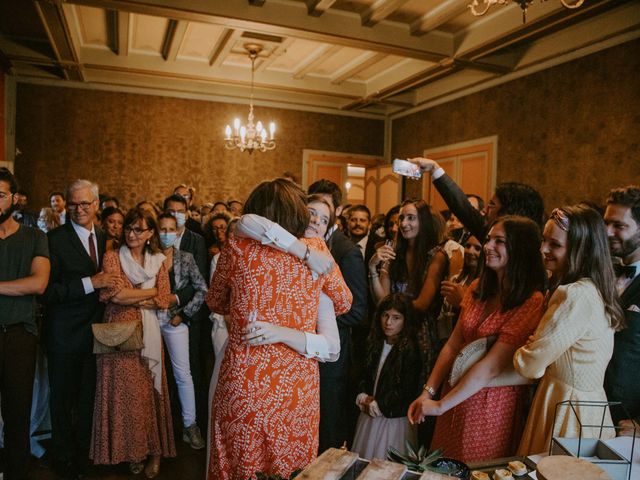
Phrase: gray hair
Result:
[80,184]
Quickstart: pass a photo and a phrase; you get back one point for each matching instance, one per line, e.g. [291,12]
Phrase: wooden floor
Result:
[188,465]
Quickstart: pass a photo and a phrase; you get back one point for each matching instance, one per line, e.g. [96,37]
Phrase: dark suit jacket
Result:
[621,383]
[400,379]
[458,203]
[194,226]
[70,312]
[194,244]
[349,259]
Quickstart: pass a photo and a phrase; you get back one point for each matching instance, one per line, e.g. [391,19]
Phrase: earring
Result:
[148,241]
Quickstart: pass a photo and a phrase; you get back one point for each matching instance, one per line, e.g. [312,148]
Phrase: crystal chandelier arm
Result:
[487,4]
[572,5]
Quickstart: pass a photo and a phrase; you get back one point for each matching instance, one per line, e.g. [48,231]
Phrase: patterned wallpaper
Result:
[140,146]
[570,131]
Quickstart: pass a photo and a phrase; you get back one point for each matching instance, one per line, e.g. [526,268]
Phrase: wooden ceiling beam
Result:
[326,53]
[173,39]
[372,59]
[288,18]
[315,8]
[380,10]
[124,19]
[223,47]
[437,16]
[55,25]
[504,27]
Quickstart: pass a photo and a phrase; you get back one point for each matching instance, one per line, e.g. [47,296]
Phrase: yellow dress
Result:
[570,350]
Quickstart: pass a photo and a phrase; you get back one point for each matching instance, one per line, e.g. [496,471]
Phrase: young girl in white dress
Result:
[391,380]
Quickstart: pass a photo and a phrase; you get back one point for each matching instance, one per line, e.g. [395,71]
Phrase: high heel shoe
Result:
[153,468]
[136,467]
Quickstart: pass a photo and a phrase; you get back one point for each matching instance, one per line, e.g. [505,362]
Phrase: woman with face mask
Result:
[189,289]
[48,219]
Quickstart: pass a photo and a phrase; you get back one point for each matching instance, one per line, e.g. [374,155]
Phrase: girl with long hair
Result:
[475,421]
[391,380]
[572,346]
[415,267]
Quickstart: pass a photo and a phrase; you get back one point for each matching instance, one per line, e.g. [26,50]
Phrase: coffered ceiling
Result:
[372,57]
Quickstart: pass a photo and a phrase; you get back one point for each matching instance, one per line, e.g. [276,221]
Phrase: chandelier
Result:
[479,8]
[250,137]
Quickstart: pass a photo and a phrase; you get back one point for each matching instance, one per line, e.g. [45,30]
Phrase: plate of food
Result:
[514,468]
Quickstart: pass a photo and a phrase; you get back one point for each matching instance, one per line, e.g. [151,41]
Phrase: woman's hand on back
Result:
[320,262]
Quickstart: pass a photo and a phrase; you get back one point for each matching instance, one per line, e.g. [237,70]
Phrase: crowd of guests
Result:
[291,323]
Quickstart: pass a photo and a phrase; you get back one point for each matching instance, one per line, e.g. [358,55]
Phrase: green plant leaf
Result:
[411,451]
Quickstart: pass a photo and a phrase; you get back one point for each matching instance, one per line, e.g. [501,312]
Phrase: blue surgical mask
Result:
[168,239]
[181,218]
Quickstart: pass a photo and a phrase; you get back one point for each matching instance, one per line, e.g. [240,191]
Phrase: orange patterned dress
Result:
[266,406]
[130,419]
[487,424]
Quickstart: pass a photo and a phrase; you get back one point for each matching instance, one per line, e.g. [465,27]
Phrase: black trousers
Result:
[17,369]
[72,380]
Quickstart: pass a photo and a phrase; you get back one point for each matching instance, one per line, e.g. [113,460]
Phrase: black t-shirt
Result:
[16,254]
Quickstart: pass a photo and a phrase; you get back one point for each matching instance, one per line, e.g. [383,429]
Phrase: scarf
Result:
[145,277]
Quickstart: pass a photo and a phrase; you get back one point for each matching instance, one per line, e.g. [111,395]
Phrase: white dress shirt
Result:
[83,235]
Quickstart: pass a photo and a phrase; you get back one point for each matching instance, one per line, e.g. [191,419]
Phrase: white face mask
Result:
[181,218]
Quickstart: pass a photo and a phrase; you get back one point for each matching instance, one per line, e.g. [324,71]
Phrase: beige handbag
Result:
[473,353]
[117,337]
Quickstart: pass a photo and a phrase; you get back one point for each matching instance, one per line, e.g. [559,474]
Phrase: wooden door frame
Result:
[468,146]
[366,161]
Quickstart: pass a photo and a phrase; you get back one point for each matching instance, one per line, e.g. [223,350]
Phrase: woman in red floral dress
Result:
[266,406]
[476,422]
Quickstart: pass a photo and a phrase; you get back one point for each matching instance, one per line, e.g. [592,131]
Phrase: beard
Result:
[627,247]
[4,216]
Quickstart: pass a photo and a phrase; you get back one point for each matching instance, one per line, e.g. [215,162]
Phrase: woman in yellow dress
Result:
[573,343]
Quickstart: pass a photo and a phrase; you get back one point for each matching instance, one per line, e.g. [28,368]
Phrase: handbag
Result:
[117,336]
[473,353]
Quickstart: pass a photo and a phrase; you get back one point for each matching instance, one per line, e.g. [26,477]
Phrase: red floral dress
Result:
[266,406]
[130,419]
[488,424]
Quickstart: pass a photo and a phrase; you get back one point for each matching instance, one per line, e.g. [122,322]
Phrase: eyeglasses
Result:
[82,205]
[4,196]
[135,230]
[561,219]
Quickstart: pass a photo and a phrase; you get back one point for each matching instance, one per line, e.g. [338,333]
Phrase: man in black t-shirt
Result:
[24,273]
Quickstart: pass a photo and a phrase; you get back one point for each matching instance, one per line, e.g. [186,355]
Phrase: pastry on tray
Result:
[502,474]
[477,475]
[517,468]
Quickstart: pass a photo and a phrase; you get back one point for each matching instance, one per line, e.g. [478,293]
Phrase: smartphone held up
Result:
[406,169]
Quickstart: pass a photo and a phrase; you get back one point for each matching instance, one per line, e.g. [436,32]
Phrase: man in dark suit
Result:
[510,198]
[334,401]
[72,305]
[622,218]
[200,347]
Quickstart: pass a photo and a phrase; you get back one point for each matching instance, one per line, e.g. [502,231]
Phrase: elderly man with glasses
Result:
[72,305]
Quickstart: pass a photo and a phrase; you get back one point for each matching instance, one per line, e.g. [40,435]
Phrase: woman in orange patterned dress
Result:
[476,422]
[266,406]
[132,415]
